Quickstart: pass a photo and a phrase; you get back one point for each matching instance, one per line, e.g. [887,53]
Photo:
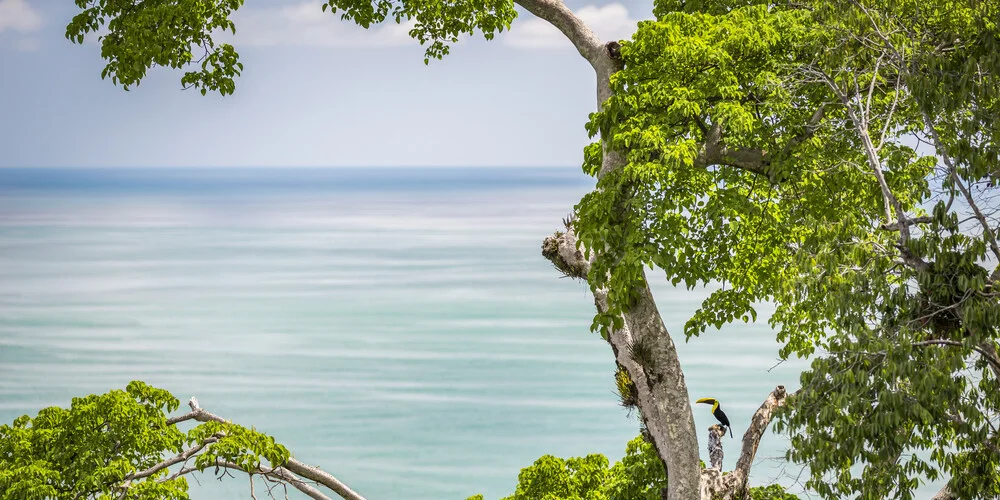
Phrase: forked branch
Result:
[291,473]
[734,484]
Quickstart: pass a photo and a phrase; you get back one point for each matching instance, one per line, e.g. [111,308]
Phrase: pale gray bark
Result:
[751,438]
[944,494]
[290,472]
[283,475]
[665,378]
[716,453]
[733,486]
[559,15]
[662,394]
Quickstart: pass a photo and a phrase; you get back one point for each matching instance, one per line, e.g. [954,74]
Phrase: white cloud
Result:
[305,24]
[610,22]
[16,15]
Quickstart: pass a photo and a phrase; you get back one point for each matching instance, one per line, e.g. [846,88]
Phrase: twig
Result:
[989,357]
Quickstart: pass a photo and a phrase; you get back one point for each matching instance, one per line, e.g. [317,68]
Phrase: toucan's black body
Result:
[718,413]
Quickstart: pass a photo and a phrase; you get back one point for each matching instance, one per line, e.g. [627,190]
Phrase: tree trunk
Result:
[677,444]
[662,395]
[664,402]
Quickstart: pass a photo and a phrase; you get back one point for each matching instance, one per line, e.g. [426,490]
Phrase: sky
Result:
[316,91]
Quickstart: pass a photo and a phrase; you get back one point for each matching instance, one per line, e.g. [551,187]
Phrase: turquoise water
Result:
[398,328]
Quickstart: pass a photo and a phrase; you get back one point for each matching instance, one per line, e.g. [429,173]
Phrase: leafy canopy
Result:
[838,160]
[140,35]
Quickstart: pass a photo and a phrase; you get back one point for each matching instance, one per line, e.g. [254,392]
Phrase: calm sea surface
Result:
[397,327]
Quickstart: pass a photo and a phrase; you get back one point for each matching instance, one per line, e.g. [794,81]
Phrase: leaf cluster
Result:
[138,35]
[638,476]
[437,22]
[83,451]
[114,446]
[168,33]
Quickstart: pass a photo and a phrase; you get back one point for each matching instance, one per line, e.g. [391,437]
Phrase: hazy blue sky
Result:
[316,91]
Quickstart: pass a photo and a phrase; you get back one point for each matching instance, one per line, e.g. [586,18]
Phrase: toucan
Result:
[719,414]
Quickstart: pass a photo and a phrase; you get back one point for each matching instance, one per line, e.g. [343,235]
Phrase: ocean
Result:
[397,327]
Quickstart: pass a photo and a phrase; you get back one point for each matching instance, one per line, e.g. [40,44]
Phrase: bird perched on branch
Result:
[717,411]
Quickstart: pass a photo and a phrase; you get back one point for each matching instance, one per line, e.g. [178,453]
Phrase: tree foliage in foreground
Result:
[115,445]
[638,476]
[120,444]
[182,33]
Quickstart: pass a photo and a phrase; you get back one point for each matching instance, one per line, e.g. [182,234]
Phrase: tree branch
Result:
[287,472]
[811,126]
[283,475]
[751,438]
[989,350]
[293,465]
[953,171]
[733,485]
[983,351]
[280,473]
[322,477]
[715,152]
[182,457]
[909,222]
[945,494]
[560,16]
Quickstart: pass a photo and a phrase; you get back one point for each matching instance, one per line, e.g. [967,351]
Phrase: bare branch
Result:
[861,125]
[560,249]
[945,494]
[867,110]
[909,222]
[182,457]
[751,438]
[293,465]
[985,352]
[892,203]
[892,110]
[202,415]
[286,473]
[282,474]
[559,15]
[953,171]
[733,485]
[178,419]
[322,477]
